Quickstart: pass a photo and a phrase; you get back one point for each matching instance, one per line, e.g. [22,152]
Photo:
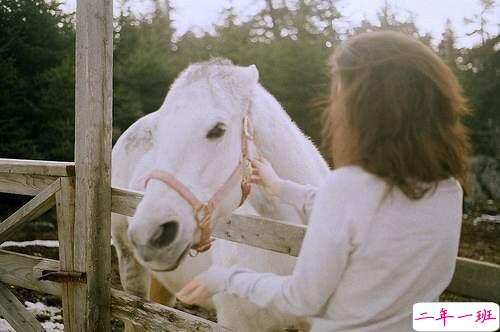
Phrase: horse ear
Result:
[249,75]
[253,73]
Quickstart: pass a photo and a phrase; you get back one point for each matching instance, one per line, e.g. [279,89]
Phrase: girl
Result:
[384,228]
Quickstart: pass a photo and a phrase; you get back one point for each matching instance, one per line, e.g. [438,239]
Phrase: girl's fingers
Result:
[197,295]
[260,161]
[186,296]
[187,289]
[255,179]
[255,163]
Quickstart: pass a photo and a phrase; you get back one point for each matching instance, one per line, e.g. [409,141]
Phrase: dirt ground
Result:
[480,242]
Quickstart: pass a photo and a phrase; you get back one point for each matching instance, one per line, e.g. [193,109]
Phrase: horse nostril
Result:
[165,234]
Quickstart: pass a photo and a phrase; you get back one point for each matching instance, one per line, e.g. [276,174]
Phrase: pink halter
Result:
[203,211]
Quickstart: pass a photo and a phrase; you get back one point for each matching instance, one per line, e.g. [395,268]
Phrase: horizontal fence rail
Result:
[24,184]
[479,280]
[30,177]
[37,167]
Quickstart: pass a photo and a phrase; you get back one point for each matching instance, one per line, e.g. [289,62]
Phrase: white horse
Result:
[196,137]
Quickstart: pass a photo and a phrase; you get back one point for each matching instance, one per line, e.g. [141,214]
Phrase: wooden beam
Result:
[37,167]
[479,280]
[38,205]
[23,271]
[24,184]
[156,317]
[70,256]
[93,126]
[15,313]
[262,233]
[259,232]
[125,201]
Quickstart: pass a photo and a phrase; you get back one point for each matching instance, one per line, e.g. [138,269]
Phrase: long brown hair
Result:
[396,110]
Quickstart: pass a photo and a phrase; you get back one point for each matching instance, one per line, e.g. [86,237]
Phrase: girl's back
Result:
[402,251]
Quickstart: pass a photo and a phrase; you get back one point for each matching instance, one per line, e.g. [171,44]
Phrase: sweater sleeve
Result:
[320,265]
[299,196]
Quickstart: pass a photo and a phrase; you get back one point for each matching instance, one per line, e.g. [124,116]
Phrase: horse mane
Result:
[217,75]
[216,68]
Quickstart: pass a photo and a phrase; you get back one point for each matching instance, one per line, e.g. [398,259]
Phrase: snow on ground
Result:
[51,317]
[5,327]
[486,218]
[40,243]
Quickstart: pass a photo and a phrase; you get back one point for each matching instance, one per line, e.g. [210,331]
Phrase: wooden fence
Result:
[52,184]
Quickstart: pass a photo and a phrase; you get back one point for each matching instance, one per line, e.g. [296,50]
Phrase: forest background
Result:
[289,41]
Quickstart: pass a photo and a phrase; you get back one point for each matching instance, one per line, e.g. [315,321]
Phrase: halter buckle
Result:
[247,128]
[193,252]
[202,214]
[247,172]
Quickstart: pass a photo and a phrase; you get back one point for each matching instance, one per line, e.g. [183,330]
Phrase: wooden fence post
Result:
[70,257]
[93,125]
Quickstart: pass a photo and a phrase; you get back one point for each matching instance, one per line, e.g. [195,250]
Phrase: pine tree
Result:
[446,47]
[387,19]
[480,20]
[37,39]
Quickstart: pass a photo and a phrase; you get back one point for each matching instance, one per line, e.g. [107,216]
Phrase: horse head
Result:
[200,168]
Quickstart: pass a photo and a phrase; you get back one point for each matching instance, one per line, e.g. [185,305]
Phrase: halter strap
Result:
[203,211]
[169,179]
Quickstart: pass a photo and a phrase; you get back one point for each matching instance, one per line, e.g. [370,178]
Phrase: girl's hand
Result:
[194,292]
[203,286]
[263,174]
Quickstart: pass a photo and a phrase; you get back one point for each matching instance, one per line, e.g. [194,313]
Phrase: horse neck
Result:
[280,141]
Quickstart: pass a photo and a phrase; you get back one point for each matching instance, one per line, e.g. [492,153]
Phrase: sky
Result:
[431,15]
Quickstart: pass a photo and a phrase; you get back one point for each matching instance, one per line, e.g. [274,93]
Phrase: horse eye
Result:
[217,131]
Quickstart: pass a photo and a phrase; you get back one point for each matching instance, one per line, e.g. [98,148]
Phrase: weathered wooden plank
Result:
[124,201]
[480,280]
[263,233]
[15,313]
[24,184]
[34,208]
[73,293]
[93,126]
[23,270]
[259,232]
[255,231]
[156,317]
[37,167]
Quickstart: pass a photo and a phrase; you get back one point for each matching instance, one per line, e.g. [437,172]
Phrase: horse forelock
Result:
[217,75]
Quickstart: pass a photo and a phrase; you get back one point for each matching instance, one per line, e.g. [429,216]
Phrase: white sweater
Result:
[364,262]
